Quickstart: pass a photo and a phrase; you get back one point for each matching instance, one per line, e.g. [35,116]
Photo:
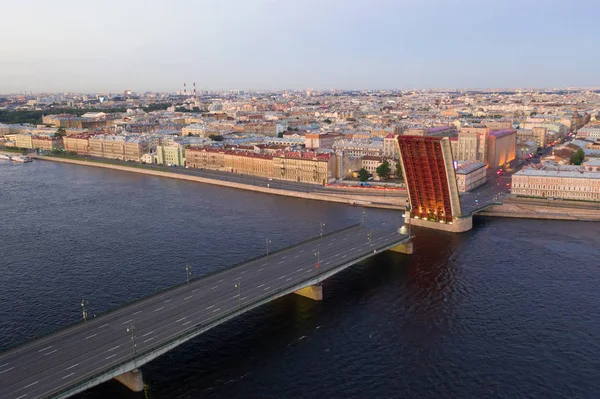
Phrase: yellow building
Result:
[23,141]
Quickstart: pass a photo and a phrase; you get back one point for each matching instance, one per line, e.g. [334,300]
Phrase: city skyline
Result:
[272,45]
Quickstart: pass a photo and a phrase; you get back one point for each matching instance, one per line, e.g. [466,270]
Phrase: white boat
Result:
[5,156]
[21,158]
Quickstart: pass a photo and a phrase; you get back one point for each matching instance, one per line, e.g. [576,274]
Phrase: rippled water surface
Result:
[510,309]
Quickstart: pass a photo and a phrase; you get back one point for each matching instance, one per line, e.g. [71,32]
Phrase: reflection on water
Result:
[506,310]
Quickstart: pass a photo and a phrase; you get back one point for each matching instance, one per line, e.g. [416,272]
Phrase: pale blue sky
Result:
[67,45]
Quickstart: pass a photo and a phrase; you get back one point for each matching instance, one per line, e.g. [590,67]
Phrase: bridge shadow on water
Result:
[221,361]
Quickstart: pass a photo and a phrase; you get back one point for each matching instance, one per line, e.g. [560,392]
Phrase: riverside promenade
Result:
[357,197]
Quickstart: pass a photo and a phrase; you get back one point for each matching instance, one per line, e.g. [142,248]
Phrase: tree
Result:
[190,134]
[363,175]
[280,135]
[399,170]
[328,121]
[60,132]
[383,170]
[578,157]
[215,137]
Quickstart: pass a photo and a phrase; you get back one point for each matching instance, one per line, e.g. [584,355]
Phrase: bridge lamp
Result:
[84,303]
[370,237]
[131,329]
[238,285]
[318,255]
[322,228]
[267,242]
[188,271]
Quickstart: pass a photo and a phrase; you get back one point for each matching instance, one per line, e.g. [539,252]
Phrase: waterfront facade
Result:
[170,155]
[558,181]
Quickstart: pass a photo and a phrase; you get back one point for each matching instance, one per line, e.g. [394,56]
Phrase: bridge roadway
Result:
[87,354]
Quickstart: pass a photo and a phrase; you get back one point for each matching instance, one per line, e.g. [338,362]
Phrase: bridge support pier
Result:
[312,292]
[132,380]
[406,248]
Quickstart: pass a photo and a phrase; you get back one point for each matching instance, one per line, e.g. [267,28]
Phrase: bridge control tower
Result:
[428,169]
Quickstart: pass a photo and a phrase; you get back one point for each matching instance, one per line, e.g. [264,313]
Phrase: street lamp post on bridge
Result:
[267,242]
[322,228]
[84,303]
[131,329]
[188,271]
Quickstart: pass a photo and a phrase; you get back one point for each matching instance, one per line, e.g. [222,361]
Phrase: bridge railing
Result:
[215,321]
[79,323]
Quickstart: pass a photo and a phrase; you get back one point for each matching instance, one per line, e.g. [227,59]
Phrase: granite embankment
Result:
[527,208]
[342,197]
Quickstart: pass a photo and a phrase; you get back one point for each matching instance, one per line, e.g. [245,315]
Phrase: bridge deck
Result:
[84,355]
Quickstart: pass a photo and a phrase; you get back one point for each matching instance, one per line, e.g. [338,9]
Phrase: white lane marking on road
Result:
[111,356]
[330,245]
[210,307]
[138,312]
[281,277]
[296,256]
[326,263]
[318,244]
[299,270]
[308,271]
[235,296]
[283,257]
[344,255]
[49,353]
[221,280]
[301,250]
[337,254]
[177,321]
[41,350]
[279,263]
[196,289]
[243,271]
[148,333]
[260,286]
[128,321]
[268,288]
[215,287]
[161,308]
[70,367]
[4,365]
[4,371]
[260,270]
[352,249]
[186,323]
[103,325]
[112,349]
[288,279]
[187,297]
[90,336]
[167,301]
[67,376]
[344,239]
[216,310]
[243,298]
[30,385]
[22,396]
[149,339]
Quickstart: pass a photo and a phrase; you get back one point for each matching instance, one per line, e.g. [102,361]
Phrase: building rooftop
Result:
[502,133]
[466,167]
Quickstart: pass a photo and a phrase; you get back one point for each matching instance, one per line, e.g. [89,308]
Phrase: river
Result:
[508,310]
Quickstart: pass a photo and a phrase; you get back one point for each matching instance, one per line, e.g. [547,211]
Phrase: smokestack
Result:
[184,90]
[194,89]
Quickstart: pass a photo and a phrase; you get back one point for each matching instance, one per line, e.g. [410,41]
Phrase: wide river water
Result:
[510,309]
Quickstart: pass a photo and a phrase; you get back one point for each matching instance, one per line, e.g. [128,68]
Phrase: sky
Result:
[157,45]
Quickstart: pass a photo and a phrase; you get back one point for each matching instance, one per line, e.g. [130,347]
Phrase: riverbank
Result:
[525,208]
[396,203]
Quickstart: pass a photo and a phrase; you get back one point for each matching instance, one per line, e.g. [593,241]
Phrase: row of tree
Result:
[383,171]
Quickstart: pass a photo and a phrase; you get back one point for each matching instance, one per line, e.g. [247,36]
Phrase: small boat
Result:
[5,156]
[22,159]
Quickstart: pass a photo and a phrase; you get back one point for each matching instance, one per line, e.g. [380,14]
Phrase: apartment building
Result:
[558,181]
[170,155]
[320,140]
